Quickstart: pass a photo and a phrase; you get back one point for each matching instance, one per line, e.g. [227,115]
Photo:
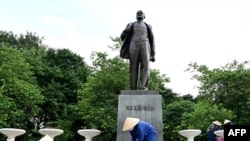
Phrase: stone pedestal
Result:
[145,105]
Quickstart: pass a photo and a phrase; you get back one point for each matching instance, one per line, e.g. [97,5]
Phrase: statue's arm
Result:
[152,43]
[126,31]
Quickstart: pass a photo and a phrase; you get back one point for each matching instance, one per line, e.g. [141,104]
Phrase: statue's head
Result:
[140,15]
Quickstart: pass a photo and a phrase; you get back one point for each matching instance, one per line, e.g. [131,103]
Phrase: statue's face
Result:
[140,15]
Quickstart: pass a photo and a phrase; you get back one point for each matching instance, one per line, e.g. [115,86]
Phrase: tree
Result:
[172,117]
[59,74]
[189,97]
[99,96]
[61,77]
[226,85]
[22,97]
[27,41]
[4,106]
[203,115]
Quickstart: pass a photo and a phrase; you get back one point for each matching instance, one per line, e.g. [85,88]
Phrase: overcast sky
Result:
[209,32]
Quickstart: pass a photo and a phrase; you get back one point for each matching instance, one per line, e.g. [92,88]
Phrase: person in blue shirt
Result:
[139,130]
[215,126]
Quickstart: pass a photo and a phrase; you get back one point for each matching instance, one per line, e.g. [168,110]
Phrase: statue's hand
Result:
[152,58]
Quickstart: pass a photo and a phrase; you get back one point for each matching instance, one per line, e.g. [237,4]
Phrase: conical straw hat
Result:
[226,121]
[130,123]
[217,123]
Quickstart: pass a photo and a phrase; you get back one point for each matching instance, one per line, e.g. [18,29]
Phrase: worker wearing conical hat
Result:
[141,130]
[215,126]
[228,122]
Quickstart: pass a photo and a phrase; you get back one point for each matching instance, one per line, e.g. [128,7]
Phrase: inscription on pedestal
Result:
[140,108]
[145,105]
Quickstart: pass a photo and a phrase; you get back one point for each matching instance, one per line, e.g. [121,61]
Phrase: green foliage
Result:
[203,115]
[44,87]
[172,117]
[27,41]
[157,80]
[57,74]
[189,97]
[117,43]
[61,75]
[226,85]
[4,106]
[21,95]
[99,96]
[8,38]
